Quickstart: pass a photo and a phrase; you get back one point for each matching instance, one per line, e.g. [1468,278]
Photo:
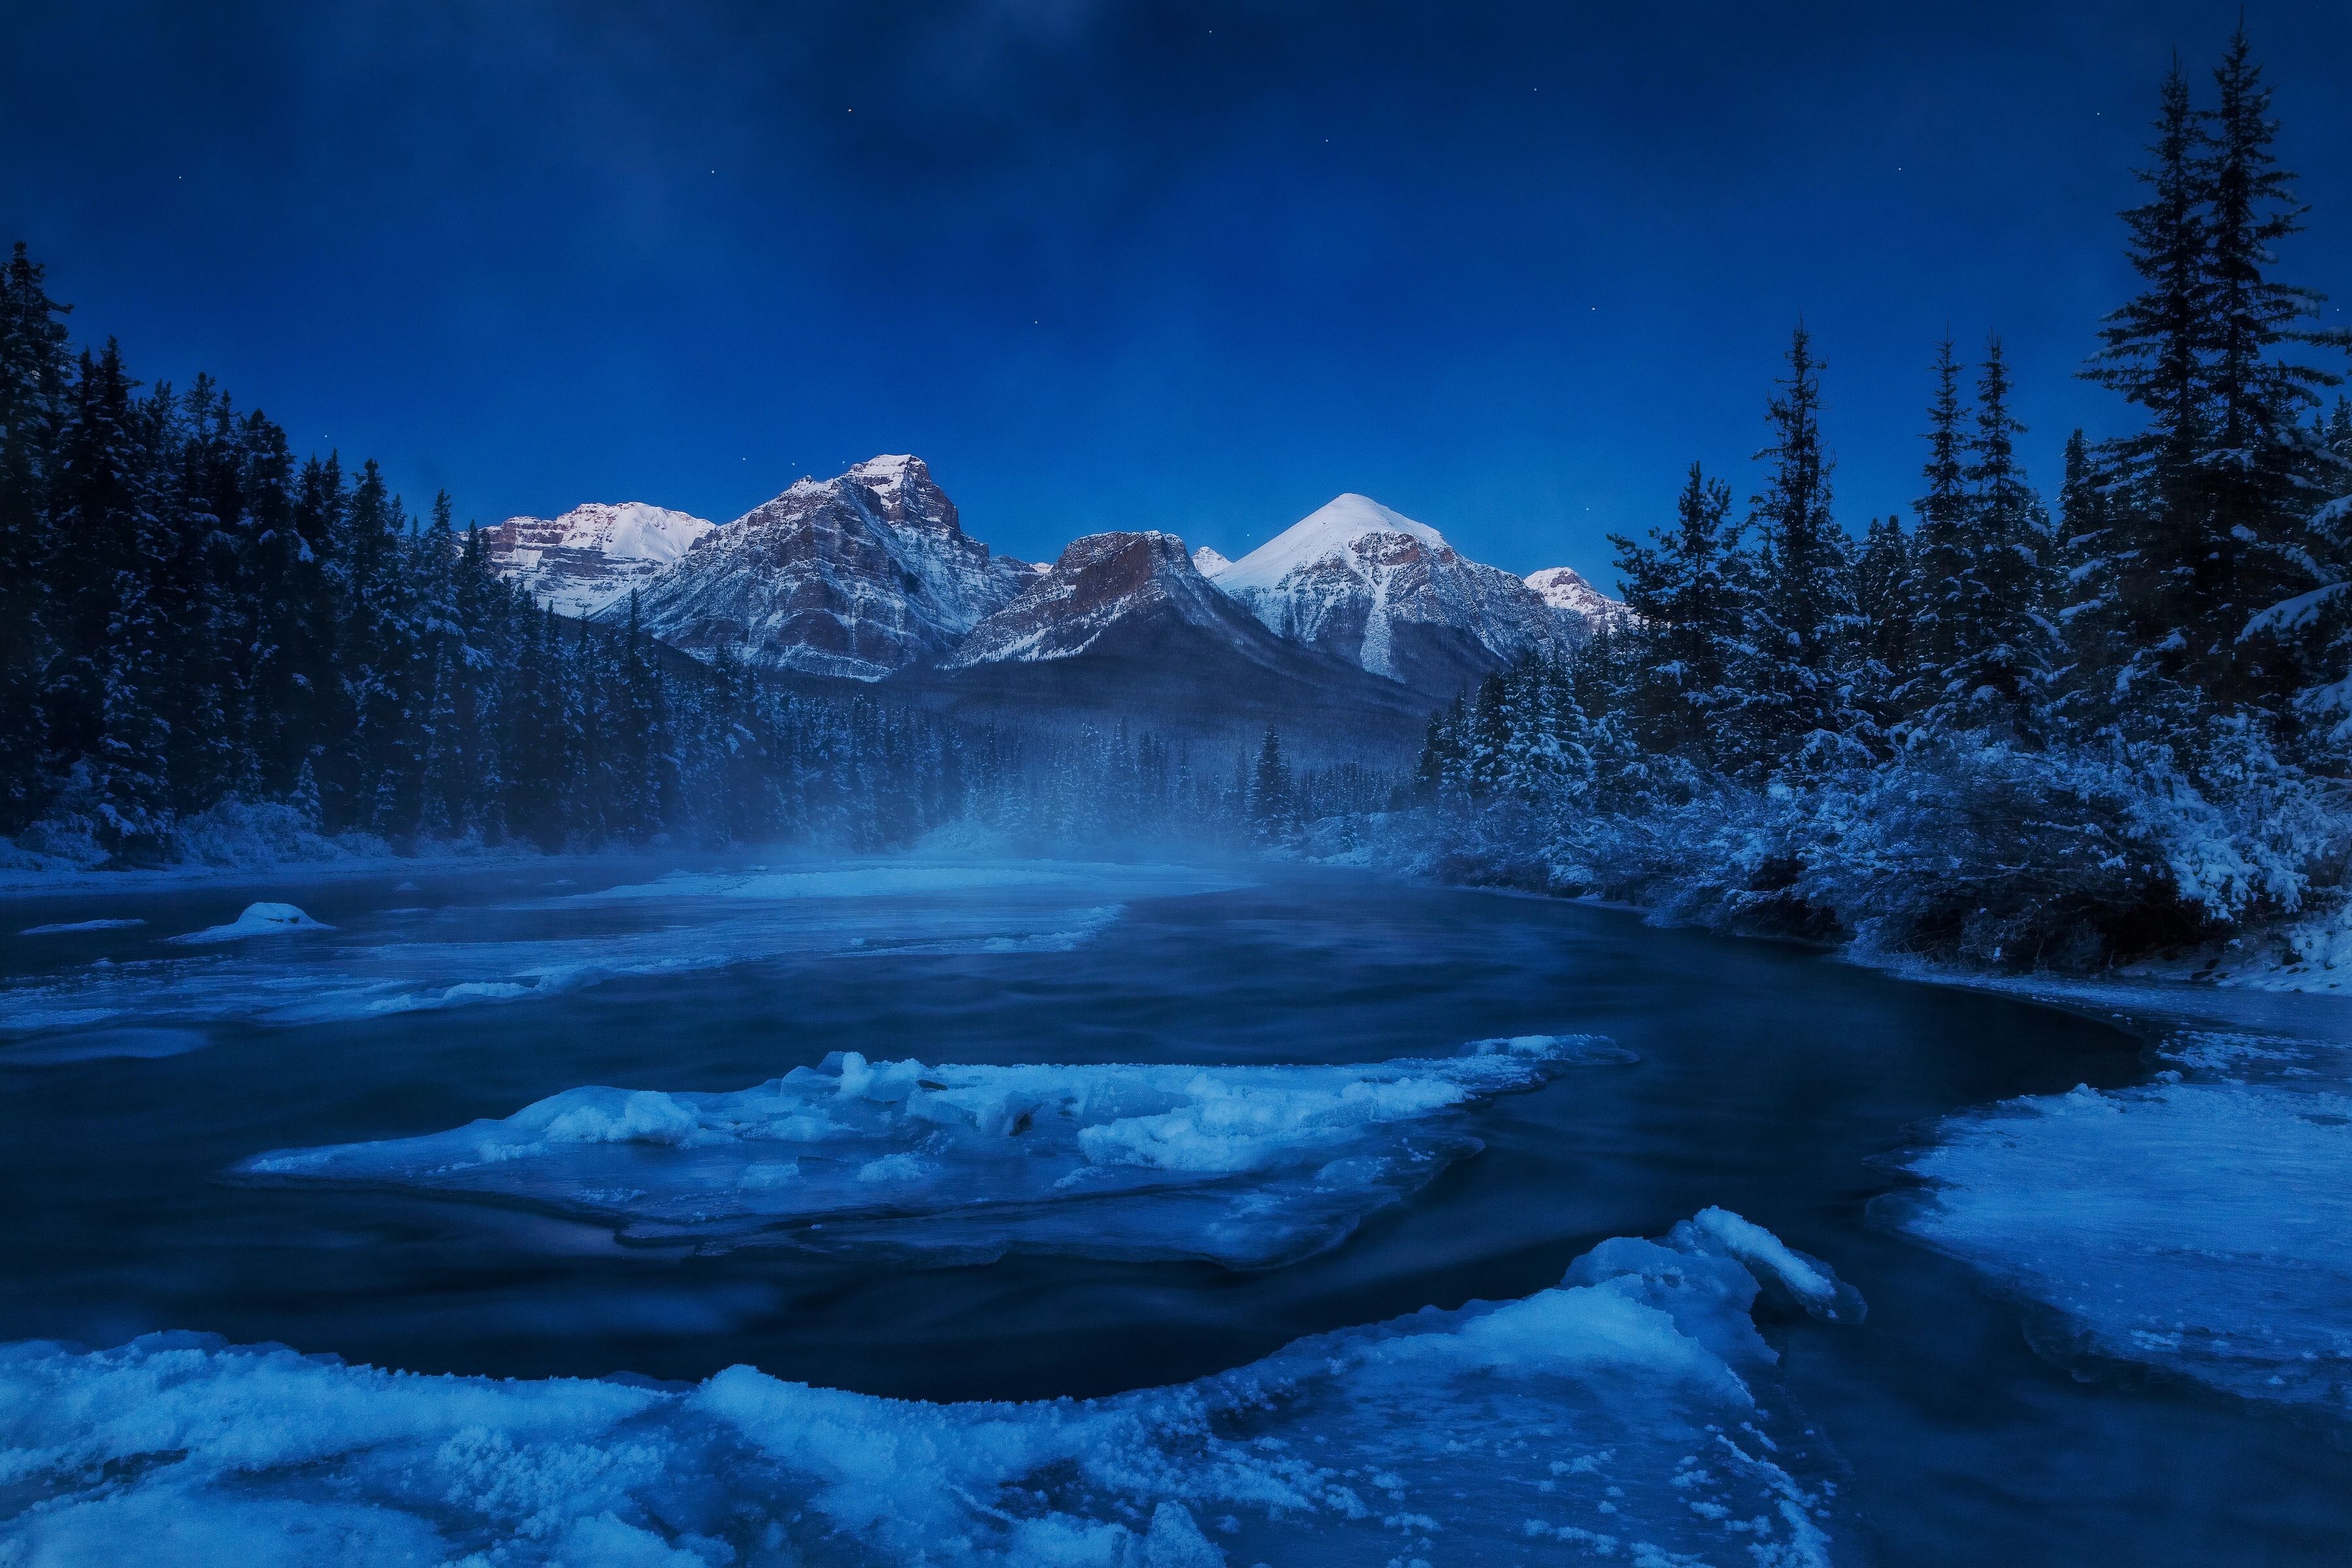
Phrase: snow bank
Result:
[1248,1166]
[1615,1415]
[2202,1224]
[258,920]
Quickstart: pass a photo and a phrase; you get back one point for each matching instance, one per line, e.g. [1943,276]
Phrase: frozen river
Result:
[641,1125]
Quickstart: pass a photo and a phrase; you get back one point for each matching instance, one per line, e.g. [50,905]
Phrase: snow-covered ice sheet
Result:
[2200,1224]
[1248,1166]
[258,920]
[62,927]
[1615,1417]
[684,923]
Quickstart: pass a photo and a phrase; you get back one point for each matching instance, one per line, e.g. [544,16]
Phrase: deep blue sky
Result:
[1508,269]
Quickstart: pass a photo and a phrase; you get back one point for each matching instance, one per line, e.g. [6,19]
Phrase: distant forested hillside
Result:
[194,619]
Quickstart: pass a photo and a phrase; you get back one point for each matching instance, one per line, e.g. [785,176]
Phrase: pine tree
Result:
[1792,698]
[2091,625]
[378,657]
[1995,651]
[201,507]
[1271,810]
[1690,616]
[1942,551]
[1887,611]
[2262,477]
[33,380]
[2209,507]
[1547,760]
[2154,346]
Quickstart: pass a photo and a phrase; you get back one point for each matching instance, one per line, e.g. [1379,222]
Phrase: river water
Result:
[1772,1081]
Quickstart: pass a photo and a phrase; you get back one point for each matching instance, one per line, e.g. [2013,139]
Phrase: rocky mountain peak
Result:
[1373,586]
[1096,580]
[588,559]
[859,576]
[1571,595]
[904,494]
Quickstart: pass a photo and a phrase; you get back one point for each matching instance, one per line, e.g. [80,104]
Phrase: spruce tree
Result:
[1792,698]
[1997,647]
[33,401]
[2209,508]
[2262,475]
[1270,801]
[1887,612]
[98,550]
[1942,548]
[1690,618]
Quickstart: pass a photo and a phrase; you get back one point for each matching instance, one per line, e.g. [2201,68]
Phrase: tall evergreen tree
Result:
[2209,508]
[1996,652]
[33,402]
[1686,595]
[1794,698]
[2263,478]
[1888,613]
[1270,806]
[1942,547]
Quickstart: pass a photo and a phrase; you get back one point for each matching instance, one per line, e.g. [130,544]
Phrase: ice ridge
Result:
[1247,1166]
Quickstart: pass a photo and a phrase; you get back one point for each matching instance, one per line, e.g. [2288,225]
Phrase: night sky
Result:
[1200,267]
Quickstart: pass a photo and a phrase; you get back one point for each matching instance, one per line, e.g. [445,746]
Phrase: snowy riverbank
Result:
[2200,1224]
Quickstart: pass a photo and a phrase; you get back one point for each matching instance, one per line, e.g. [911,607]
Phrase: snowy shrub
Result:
[1972,847]
[238,833]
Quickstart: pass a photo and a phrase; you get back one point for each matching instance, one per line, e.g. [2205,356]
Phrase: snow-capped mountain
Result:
[1106,585]
[1123,625]
[1385,593]
[858,576]
[1573,595]
[590,558]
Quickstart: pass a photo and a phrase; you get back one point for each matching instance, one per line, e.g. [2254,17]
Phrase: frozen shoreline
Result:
[2199,1224]
[1630,1409]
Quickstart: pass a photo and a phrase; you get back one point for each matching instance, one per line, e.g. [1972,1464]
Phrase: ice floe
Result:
[1614,1417]
[1248,1166]
[61,928]
[2200,1224]
[258,920]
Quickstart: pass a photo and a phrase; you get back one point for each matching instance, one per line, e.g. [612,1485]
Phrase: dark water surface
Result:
[1770,1078]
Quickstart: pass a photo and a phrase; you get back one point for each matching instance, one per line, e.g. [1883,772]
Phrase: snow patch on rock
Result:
[1356,578]
[590,558]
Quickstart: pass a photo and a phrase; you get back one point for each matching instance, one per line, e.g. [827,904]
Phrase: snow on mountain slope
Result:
[591,557]
[1123,626]
[859,575]
[1098,581]
[1573,595]
[1388,593]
